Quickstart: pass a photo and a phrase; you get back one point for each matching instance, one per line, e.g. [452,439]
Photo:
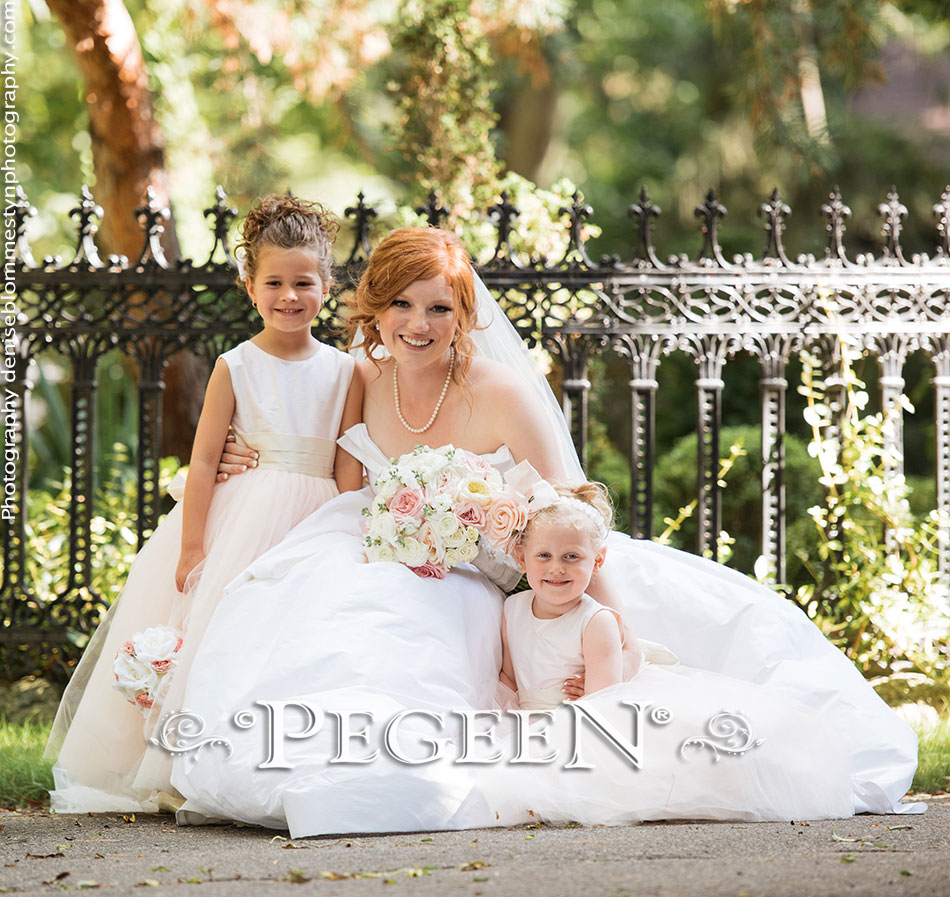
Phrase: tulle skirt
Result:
[99,741]
[294,708]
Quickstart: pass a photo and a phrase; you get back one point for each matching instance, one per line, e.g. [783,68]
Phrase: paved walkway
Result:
[866,855]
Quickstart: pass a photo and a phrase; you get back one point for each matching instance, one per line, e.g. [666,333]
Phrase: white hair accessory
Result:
[240,255]
[577,504]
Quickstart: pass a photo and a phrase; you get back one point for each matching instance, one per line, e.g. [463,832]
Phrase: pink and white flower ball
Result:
[142,664]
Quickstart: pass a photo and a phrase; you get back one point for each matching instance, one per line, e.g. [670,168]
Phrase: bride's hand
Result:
[235,459]
[573,687]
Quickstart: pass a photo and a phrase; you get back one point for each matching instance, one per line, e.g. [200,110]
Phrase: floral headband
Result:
[539,495]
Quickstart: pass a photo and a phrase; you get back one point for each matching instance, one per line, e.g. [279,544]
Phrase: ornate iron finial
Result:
[150,217]
[363,214]
[223,213]
[644,212]
[775,211]
[942,217]
[503,213]
[579,212]
[86,211]
[892,211]
[711,211]
[835,211]
[22,211]
[434,212]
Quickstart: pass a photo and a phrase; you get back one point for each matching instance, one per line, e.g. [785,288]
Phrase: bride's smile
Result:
[420,323]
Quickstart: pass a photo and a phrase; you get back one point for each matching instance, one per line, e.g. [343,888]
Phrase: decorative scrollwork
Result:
[644,212]
[177,730]
[503,213]
[835,213]
[150,216]
[729,733]
[775,212]
[893,212]
[433,210]
[576,254]
[710,212]
[363,215]
[222,213]
[85,212]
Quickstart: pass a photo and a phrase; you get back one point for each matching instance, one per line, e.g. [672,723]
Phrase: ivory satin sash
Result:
[312,455]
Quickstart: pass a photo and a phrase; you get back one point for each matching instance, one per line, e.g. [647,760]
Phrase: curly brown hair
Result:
[288,222]
[405,256]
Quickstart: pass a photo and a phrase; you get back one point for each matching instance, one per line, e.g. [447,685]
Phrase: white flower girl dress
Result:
[290,411]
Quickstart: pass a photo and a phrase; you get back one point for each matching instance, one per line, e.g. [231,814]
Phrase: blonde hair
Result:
[405,256]
[585,506]
[286,222]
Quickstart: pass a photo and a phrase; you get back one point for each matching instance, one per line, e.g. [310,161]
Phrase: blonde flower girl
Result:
[289,396]
[671,743]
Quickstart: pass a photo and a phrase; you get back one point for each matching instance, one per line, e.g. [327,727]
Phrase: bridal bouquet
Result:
[143,663]
[434,508]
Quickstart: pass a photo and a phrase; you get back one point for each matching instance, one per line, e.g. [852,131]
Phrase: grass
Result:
[933,764]
[25,777]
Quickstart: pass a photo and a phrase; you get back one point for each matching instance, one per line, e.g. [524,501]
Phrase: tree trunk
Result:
[528,125]
[128,152]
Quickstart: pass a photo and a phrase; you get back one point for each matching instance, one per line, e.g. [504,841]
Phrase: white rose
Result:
[467,552]
[471,534]
[156,643]
[132,675]
[495,481]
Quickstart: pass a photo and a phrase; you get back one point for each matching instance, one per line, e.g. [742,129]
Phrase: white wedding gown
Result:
[311,622]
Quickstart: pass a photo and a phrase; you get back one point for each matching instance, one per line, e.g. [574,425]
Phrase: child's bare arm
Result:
[216,414]
[347,471]
[603,653]
[507,673]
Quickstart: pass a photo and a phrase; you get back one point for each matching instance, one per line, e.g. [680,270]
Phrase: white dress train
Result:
[311,623]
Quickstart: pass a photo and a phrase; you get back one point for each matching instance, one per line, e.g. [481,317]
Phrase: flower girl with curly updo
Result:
[288,395]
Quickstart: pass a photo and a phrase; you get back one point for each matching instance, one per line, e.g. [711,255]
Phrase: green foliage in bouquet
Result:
[877,591]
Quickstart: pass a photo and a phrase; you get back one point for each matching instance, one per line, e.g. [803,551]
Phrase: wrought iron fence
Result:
[641,309]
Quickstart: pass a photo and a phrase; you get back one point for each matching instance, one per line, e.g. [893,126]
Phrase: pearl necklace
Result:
[438,405]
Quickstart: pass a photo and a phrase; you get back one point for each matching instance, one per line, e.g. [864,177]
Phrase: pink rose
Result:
[506,515]
[407,504]
[471,514]
[143,700]
[128,648]
[429,571]
[161,665]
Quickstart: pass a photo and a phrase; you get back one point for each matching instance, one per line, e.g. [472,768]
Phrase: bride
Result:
[314,652]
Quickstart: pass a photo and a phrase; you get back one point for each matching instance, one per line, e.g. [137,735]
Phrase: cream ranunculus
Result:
[446,523]
[383,526]
[412,553]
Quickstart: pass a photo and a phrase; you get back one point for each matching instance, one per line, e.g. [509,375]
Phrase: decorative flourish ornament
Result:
[729,733]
